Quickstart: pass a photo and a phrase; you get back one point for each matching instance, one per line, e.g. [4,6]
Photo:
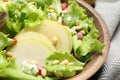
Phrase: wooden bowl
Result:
[96,60]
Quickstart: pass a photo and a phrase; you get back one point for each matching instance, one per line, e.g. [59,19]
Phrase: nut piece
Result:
[77,23]
[9,54]
[51,10]
[78,27]
[65,62]
[51,7]
[55,62]
[55,39]
[70,63]
[43,72]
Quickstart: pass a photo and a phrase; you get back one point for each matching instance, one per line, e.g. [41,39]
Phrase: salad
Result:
[45,40]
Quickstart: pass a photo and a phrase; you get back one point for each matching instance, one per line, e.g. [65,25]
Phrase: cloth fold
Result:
[110,11]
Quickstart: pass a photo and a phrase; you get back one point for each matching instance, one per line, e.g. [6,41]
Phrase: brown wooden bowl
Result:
[96,60]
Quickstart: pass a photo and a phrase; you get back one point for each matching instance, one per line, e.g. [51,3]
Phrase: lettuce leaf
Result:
[4,41]
[57,6]
[42,3]
[63,70]
[75,13]
[19,15]
[87,45]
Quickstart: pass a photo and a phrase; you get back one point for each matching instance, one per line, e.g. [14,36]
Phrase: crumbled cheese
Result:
[29,68]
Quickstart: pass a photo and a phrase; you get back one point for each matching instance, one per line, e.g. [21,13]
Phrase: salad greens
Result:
[28,13]
[19,15]
[56,4]
[75,13]
[4,41]
[41,3]
[89,44]
[63,70]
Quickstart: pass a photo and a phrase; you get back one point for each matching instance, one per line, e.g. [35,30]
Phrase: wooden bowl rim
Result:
[101,59]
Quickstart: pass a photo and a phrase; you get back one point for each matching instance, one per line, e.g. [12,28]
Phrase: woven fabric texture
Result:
[110,11]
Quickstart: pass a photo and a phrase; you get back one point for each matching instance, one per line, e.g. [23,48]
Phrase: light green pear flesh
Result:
[51,34]
[69,35]
[31,50]
[62,34]
[37,36]
[52,29]
[47,31]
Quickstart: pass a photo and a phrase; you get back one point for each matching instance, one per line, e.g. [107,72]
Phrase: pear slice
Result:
[31,50]
[47,31]
[62,33]
[51,34]
[53,29]
[37,36]
[69,35]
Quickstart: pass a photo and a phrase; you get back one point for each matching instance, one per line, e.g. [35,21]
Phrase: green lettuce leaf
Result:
[5,41]
[75,13]
[57,6]
[90,43]
[19,15]
[32,15]
[61,70]
[42,3]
